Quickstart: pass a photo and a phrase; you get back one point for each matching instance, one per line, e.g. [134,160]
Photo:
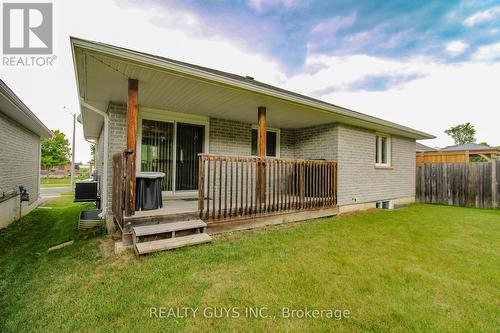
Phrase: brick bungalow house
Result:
[20,135]
[262,154]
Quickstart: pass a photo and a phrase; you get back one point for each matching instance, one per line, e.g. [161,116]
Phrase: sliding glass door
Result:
[171,146]
[157,149]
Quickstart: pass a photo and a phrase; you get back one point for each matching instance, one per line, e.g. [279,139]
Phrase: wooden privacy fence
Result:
[454,156]
[236,186]
[122,203]
[441,157]
[459,184]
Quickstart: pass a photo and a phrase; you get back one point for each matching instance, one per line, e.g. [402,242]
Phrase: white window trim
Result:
[278,137]
[389,150]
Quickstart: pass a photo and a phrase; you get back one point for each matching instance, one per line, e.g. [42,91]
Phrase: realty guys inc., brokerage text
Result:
[246,312]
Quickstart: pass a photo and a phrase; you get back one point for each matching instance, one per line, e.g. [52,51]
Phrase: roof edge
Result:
[269,90]
[42,130]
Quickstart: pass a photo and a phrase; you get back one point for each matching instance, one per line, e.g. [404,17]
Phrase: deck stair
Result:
[167,236]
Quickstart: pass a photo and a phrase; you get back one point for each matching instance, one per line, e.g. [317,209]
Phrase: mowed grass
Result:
[55,182]
[59,182]
[423,268]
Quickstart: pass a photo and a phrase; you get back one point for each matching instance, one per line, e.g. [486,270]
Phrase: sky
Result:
[428,65]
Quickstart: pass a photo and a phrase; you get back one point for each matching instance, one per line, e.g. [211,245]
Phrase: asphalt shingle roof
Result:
[468,146]
[420,148]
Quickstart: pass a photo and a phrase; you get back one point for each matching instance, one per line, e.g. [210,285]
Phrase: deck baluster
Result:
[263,185]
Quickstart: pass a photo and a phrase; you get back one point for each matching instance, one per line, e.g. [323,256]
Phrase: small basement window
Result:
[383,150]
[384,205]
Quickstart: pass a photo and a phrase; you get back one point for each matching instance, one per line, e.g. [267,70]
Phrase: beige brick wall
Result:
[353,148]
[318,142]
[358,179]
[19,158]
[117,138]
[117,142]
[230,137]
[287,143]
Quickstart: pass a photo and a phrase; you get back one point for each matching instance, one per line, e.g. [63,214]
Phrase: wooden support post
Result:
[261,133]
[261,152]
[132,115]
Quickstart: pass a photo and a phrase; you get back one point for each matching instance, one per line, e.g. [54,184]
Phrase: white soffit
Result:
[102,78]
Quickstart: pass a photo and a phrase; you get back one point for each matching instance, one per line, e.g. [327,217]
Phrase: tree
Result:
[462,134]
[55,150]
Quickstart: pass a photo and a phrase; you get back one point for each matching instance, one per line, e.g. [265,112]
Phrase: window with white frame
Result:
[272,142]
[383,150]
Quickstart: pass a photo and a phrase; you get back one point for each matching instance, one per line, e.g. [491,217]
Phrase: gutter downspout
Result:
[106,151]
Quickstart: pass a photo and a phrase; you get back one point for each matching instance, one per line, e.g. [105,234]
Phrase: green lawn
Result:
[55,182]
[59,182]
[423,268]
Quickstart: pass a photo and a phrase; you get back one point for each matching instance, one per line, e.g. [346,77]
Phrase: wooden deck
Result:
[171,206]
[234,193]
[271,219]
[173,210]
[167,236]
[179,210]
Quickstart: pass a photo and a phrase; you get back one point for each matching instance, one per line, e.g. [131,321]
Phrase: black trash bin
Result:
[148,190]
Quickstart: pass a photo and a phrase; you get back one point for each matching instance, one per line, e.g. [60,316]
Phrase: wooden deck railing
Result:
[235,186]
[122,200]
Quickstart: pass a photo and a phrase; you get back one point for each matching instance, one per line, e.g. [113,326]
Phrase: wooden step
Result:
[171,243]
[152,217]
[167,227]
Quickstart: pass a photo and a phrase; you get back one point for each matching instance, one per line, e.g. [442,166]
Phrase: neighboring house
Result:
[165,112]
[20,135]
[423,148]
[473,148]
[59,171]
[455,154]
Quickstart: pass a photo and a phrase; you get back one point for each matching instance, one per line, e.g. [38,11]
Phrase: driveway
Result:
[53,192]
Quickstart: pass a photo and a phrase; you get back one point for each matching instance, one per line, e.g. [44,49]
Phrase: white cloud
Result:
[456,47]
[487,52]
[334,24]
[131,28]
[482,17]
[446,94]
[339,72]
[264,5]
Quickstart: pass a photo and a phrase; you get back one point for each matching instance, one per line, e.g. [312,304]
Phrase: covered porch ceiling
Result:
[103,71]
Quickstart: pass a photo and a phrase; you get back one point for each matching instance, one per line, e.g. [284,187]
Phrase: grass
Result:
[58,182]
[55,182]
[423,268]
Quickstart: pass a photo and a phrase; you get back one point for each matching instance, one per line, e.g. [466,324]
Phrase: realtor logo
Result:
[27,28]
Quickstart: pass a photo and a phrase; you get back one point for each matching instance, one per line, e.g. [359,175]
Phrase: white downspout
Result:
[106,158]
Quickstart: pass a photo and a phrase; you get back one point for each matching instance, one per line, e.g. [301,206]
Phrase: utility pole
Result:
[72,148]
[73,154]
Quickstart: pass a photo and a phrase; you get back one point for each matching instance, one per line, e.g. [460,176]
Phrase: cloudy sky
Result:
[428,65]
